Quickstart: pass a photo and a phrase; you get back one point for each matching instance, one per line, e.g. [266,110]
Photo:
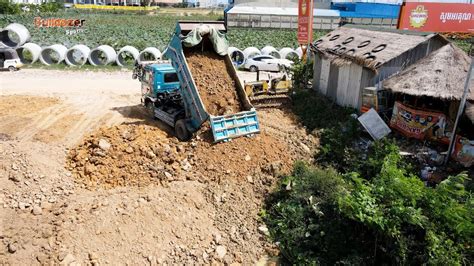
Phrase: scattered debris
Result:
[374,124]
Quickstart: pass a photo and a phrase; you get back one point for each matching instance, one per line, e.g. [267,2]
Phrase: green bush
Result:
[299,70]
[15,9]
[9,8]
[51,7]
[302,216]
[321,217]
[315,111]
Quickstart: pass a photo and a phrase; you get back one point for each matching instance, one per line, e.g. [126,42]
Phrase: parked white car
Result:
[266,63]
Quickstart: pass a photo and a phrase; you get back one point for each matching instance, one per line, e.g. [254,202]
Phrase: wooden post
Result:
[462,104]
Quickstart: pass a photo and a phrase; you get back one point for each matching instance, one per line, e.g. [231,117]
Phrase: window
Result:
[171,77]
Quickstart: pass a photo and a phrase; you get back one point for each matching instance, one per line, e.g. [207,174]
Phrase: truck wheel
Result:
[11,68]
[182,133]
[150,108]
[253,69]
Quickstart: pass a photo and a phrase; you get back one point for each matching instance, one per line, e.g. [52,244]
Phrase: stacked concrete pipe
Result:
[33,49]
[53,54]
[237,56]
[127,50]
[148,52]
[288,53]
[22,33]
[77,55]
[106,51]
[251,52]
[270,50]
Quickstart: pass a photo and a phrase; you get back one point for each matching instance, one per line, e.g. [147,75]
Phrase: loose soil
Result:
[58,129]
[216,87]
[20,105]
[65,200]
[19,111]
[131,155]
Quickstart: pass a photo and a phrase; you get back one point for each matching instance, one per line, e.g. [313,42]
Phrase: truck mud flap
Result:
[235,125]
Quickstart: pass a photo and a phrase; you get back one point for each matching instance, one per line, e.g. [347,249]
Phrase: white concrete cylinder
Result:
[14,35]
[288,53]
[251,52]
[29,53]
[53,54]
[102,55]
[237,56]
[127,51]
[77,55]
[149,54]
[270,50]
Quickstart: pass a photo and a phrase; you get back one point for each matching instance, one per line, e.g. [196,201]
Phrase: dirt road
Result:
[48,214]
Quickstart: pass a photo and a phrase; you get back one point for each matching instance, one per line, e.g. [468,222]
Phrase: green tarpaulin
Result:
[219,40]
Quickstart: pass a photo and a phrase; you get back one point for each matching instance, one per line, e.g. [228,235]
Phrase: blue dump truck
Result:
[170,94]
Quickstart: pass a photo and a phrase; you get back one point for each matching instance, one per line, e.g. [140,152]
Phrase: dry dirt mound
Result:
[216,87]
[137,155]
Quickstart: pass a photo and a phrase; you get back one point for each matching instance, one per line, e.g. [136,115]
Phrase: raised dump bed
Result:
[210,87]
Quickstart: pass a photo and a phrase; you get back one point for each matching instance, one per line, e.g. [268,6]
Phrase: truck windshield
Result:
[171,77]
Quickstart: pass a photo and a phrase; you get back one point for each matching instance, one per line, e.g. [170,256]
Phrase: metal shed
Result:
[351,58]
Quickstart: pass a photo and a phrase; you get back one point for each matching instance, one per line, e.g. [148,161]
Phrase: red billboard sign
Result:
[305,21]
[437,17]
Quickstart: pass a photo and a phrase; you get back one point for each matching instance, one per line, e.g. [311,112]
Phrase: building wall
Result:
[341,83]
[206,3]
[280,22]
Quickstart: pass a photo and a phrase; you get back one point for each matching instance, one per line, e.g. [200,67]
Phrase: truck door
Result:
[147,83]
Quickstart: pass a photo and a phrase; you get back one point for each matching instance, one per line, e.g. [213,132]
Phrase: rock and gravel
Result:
[116,188]
[130,155]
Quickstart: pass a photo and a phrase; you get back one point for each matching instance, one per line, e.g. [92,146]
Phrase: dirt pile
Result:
[131,155]
[125,155]
[216,87]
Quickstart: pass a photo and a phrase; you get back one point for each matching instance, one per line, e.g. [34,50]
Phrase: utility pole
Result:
[462,105]
[306,52]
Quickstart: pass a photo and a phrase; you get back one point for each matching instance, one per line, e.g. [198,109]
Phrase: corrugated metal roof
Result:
[279,11]
[370,48]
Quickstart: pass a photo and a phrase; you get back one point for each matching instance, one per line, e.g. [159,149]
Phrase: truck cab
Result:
[158,79]
[161,94]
